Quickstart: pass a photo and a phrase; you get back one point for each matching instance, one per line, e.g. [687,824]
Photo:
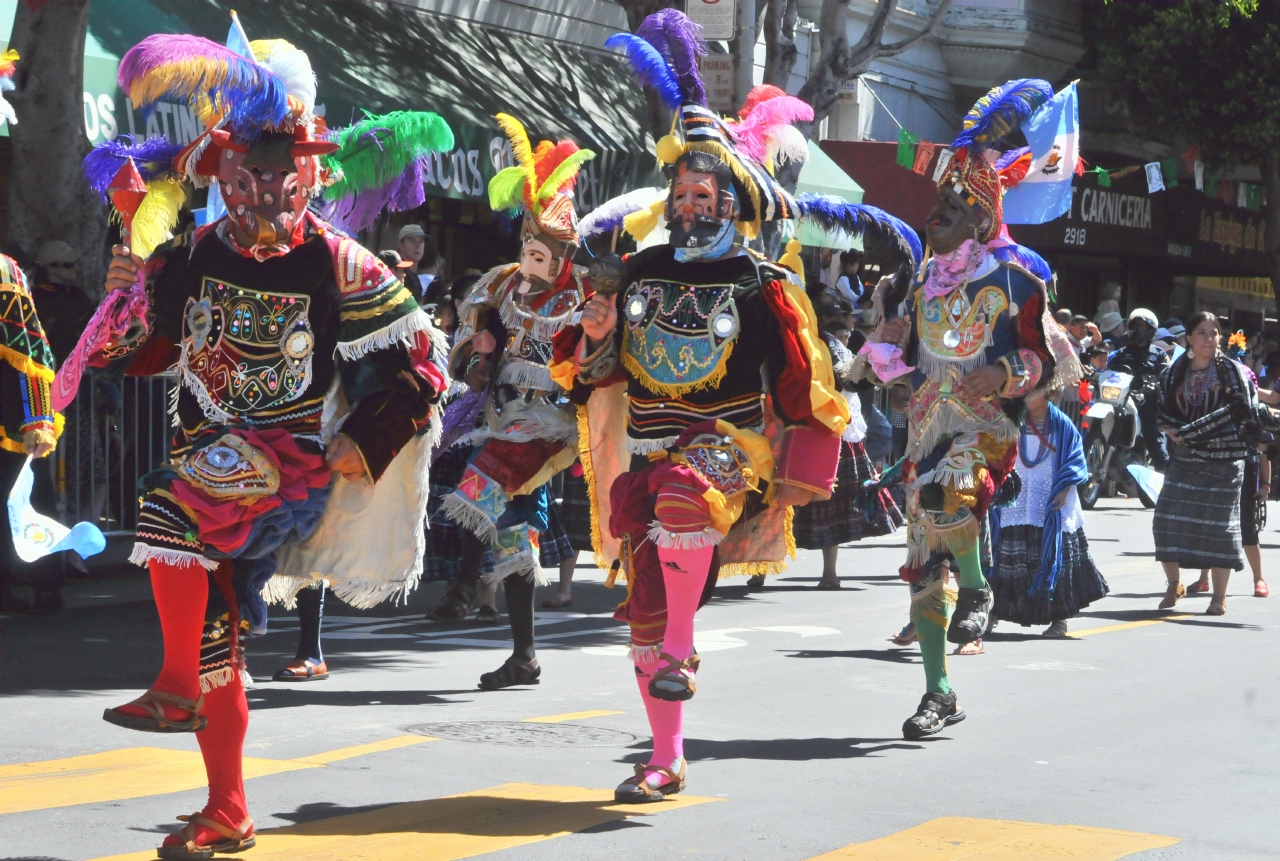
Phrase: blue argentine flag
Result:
[1053,133]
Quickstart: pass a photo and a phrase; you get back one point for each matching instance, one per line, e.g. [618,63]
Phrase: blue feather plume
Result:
[153,157]
[679,41]
[1001,111]
[1026,258]
[649,66]
[832,213]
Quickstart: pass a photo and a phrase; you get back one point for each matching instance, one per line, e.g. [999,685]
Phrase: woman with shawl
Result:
[1043,571]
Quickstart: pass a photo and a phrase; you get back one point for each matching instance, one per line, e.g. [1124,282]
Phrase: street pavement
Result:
[1146,735]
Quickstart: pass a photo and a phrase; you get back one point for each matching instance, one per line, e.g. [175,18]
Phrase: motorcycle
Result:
[1113,437]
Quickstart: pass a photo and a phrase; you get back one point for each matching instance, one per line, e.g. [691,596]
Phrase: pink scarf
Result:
[954,269]
[109,323]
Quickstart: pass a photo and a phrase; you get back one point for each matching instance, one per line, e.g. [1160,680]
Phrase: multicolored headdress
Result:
[539,182]
[238,98]
[978,172]
[664,54]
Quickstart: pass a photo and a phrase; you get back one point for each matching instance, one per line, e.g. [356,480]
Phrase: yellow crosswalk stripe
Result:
[567,716]
[444,829]
[954,838]
[1107,629]
[135,772]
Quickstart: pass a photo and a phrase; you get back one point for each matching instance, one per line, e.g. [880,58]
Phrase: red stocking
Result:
[181,593]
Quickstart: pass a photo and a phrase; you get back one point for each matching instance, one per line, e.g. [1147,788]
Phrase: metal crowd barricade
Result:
[116,431]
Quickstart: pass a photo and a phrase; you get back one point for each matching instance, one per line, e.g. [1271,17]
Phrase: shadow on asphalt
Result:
[283,696]
[785,749]
[890,656]
[1163,615]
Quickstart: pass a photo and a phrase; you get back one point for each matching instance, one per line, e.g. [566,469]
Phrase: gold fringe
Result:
[765,567]
[24,364]
[589,476]
[933,604]
[675,390]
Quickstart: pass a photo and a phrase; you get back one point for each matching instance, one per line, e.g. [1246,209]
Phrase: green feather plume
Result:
[506,189]
[377,150]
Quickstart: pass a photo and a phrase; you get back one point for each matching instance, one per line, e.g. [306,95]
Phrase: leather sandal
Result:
[153,702]
[1260,589]
[636,790]
[1198,588]
[1175,593]
[306,670]
[238,840]
[513,672]
[456,604]
[1217,608]
[674,673]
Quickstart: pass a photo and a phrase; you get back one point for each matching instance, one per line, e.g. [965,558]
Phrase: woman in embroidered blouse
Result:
[1208,407]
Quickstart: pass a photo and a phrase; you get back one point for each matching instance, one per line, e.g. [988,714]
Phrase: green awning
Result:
[821,175]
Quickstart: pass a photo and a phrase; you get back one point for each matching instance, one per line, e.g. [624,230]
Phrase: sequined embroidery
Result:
[678,338]
[719,462]
[231,468]
[247,349]
[954,329]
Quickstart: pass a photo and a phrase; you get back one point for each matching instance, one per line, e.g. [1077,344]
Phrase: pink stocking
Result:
[684,575]
[666,721]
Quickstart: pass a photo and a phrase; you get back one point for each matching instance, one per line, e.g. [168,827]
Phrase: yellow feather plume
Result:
[643,221]
[157,215]
[520,147]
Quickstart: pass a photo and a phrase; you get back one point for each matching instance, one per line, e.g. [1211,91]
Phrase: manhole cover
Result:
[525,734]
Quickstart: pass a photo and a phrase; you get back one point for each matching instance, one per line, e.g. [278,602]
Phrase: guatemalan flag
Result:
[1053,133]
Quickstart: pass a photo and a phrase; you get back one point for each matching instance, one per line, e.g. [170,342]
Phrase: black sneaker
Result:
[971,617]
[936,712]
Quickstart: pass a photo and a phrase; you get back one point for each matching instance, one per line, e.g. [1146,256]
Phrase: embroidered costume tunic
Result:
[269,353]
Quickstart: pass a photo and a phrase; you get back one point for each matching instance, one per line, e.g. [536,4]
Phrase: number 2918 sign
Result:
[717,18]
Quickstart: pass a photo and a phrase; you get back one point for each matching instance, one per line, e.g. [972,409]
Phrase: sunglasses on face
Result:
[1135,325]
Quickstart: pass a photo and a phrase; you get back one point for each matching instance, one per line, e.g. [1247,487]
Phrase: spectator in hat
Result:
[398,265]
[1111,325]
[62,306]
[420,249]
[1177,331]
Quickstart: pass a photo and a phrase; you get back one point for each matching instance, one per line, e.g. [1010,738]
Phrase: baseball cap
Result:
[56,251]
[393,259]
[411,230]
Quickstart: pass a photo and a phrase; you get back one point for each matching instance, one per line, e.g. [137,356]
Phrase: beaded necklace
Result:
[1045,449]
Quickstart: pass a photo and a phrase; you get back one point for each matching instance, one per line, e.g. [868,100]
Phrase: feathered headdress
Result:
[664,54]
[766,132]
[992,118]
[539,180]
[616,213]
[381,164]
[237,98]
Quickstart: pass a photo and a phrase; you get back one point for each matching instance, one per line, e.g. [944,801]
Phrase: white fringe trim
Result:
[217,679]
[542,328]
[526,565]
[402,331]
[211,410]
[144,553]
[934,365]
[526,375]
[950,422]
[469,517]
[648,446]
[683,540]
[644,654]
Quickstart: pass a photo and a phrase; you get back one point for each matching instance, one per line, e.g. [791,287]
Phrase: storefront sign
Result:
[1122,219]
[1230,233]
[1118,210]
[717,74]
[718,18]
[1259,288]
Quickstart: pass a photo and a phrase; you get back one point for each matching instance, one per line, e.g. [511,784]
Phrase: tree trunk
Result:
[1271,178]
[780,51]
[48,195]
